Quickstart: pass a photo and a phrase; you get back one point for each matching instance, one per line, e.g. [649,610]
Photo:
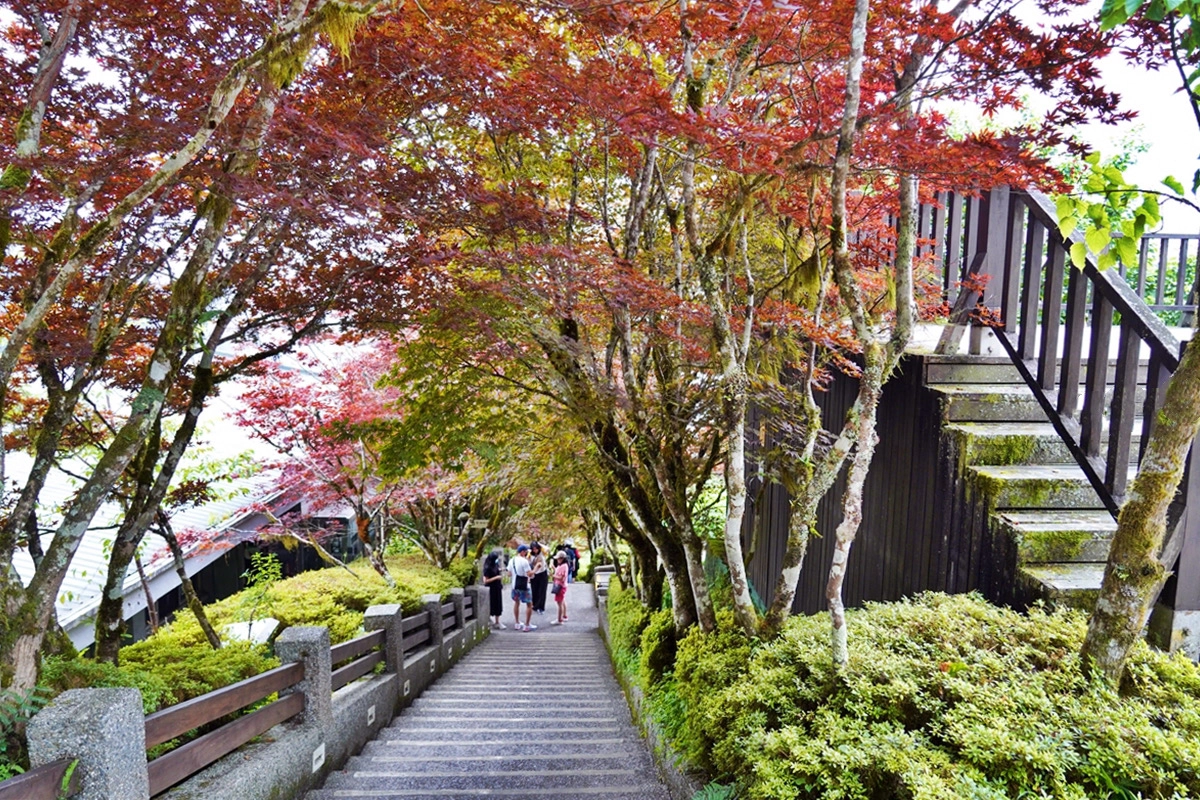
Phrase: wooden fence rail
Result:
[348,661]
[1060,327]
[49,781]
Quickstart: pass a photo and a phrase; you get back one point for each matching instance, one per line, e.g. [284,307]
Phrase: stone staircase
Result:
[1040,521]
[525,715]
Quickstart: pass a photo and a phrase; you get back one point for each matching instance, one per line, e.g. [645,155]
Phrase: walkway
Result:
[526,715]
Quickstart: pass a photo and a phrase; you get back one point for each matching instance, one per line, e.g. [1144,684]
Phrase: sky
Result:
[1166,124]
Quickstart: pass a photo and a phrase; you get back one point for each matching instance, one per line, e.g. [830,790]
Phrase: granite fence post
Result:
[105,730]
[388,618]
[479,601]
[458,597]
[310,646]
[433,604]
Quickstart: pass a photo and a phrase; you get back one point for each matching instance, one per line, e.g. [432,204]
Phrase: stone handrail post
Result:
[105,730]
[310,645]
[458,597]
[390,619]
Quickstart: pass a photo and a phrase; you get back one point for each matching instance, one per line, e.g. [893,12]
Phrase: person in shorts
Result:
[520,568]
[561,575]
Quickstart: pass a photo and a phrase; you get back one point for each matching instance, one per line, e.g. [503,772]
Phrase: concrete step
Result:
[995,369]
[541,743]
[1065,536]
[1039,486]
[970,402]
[615,791]
[601,759]
[1005,443]
[1073,585]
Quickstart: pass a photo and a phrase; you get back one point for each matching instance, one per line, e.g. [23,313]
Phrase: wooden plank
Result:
[356,647]
[1157,376]
[1187,570]
[1120,423]
[1012,264]
[355,669]
[42,783]
[449,623]
[419,620]
[1091,419]
[413,639]
[163,726]
[1035,241]
[1068,387]
[168,770]
[448,610]
[954,252]
[1051,312]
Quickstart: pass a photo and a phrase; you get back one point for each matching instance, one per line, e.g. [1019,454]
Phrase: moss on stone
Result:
[1057,545]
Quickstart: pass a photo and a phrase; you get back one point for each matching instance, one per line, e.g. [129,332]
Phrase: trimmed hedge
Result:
[945,697]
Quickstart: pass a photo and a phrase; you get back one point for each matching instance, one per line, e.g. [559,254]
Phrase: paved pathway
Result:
[524,715]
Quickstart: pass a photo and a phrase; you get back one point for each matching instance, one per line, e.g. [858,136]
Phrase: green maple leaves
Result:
[1111,213]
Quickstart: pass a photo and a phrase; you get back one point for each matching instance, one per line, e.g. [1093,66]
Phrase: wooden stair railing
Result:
[1048,311]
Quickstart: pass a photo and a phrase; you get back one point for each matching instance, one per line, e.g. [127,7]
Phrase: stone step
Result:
[541,744]
[995,369]
[969,402]
[1066,536]
[596,759]
[1039,486]
[1073,585]
[535,774]
[617,791]
[1005,443]
[999,402]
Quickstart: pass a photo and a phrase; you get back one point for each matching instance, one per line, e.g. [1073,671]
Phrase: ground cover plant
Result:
[943,697]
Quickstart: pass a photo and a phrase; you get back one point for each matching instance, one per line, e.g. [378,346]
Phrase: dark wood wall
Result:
[903,546]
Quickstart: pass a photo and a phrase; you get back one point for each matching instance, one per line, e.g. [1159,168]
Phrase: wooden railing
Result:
[53,780]
[162,726]
[1058,326]
[348,662]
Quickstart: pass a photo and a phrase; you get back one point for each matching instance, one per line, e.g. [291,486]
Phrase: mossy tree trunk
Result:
[1135,573]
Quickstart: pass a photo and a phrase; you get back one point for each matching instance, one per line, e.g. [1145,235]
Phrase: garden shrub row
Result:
[945,698]
[176,663]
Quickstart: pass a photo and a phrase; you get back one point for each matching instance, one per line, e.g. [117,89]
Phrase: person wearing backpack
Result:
[520,568]
[572,558]
[561,574]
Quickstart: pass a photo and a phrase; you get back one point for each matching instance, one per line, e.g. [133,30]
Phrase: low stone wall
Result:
[290,758]
[682,781]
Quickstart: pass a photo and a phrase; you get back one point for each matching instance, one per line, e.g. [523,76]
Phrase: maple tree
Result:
[665,205]
[191,193]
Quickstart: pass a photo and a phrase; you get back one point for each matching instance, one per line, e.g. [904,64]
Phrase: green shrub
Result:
[944,698]
[61,674]
[627,618]
[464,570]
[657,647]
[188,667]
[704,664]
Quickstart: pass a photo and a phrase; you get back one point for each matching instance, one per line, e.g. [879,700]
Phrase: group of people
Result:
[531,576]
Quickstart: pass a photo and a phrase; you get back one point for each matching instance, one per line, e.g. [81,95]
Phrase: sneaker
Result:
[556,622]
[518,627]
[501,626]
[531,627]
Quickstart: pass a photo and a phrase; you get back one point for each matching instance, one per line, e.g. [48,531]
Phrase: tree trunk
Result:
[189,590]
[1135,575]
[852,500]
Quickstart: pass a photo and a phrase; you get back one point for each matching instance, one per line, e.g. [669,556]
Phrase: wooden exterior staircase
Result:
[1005,453]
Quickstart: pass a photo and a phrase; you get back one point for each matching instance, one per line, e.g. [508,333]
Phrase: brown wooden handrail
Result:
[163,726]
[43,783]
[356,647]
[170,769]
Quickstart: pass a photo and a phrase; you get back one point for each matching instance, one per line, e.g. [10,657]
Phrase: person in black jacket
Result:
[493,578]
[539,577]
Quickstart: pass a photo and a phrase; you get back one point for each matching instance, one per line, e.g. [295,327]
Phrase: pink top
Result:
[560,574]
